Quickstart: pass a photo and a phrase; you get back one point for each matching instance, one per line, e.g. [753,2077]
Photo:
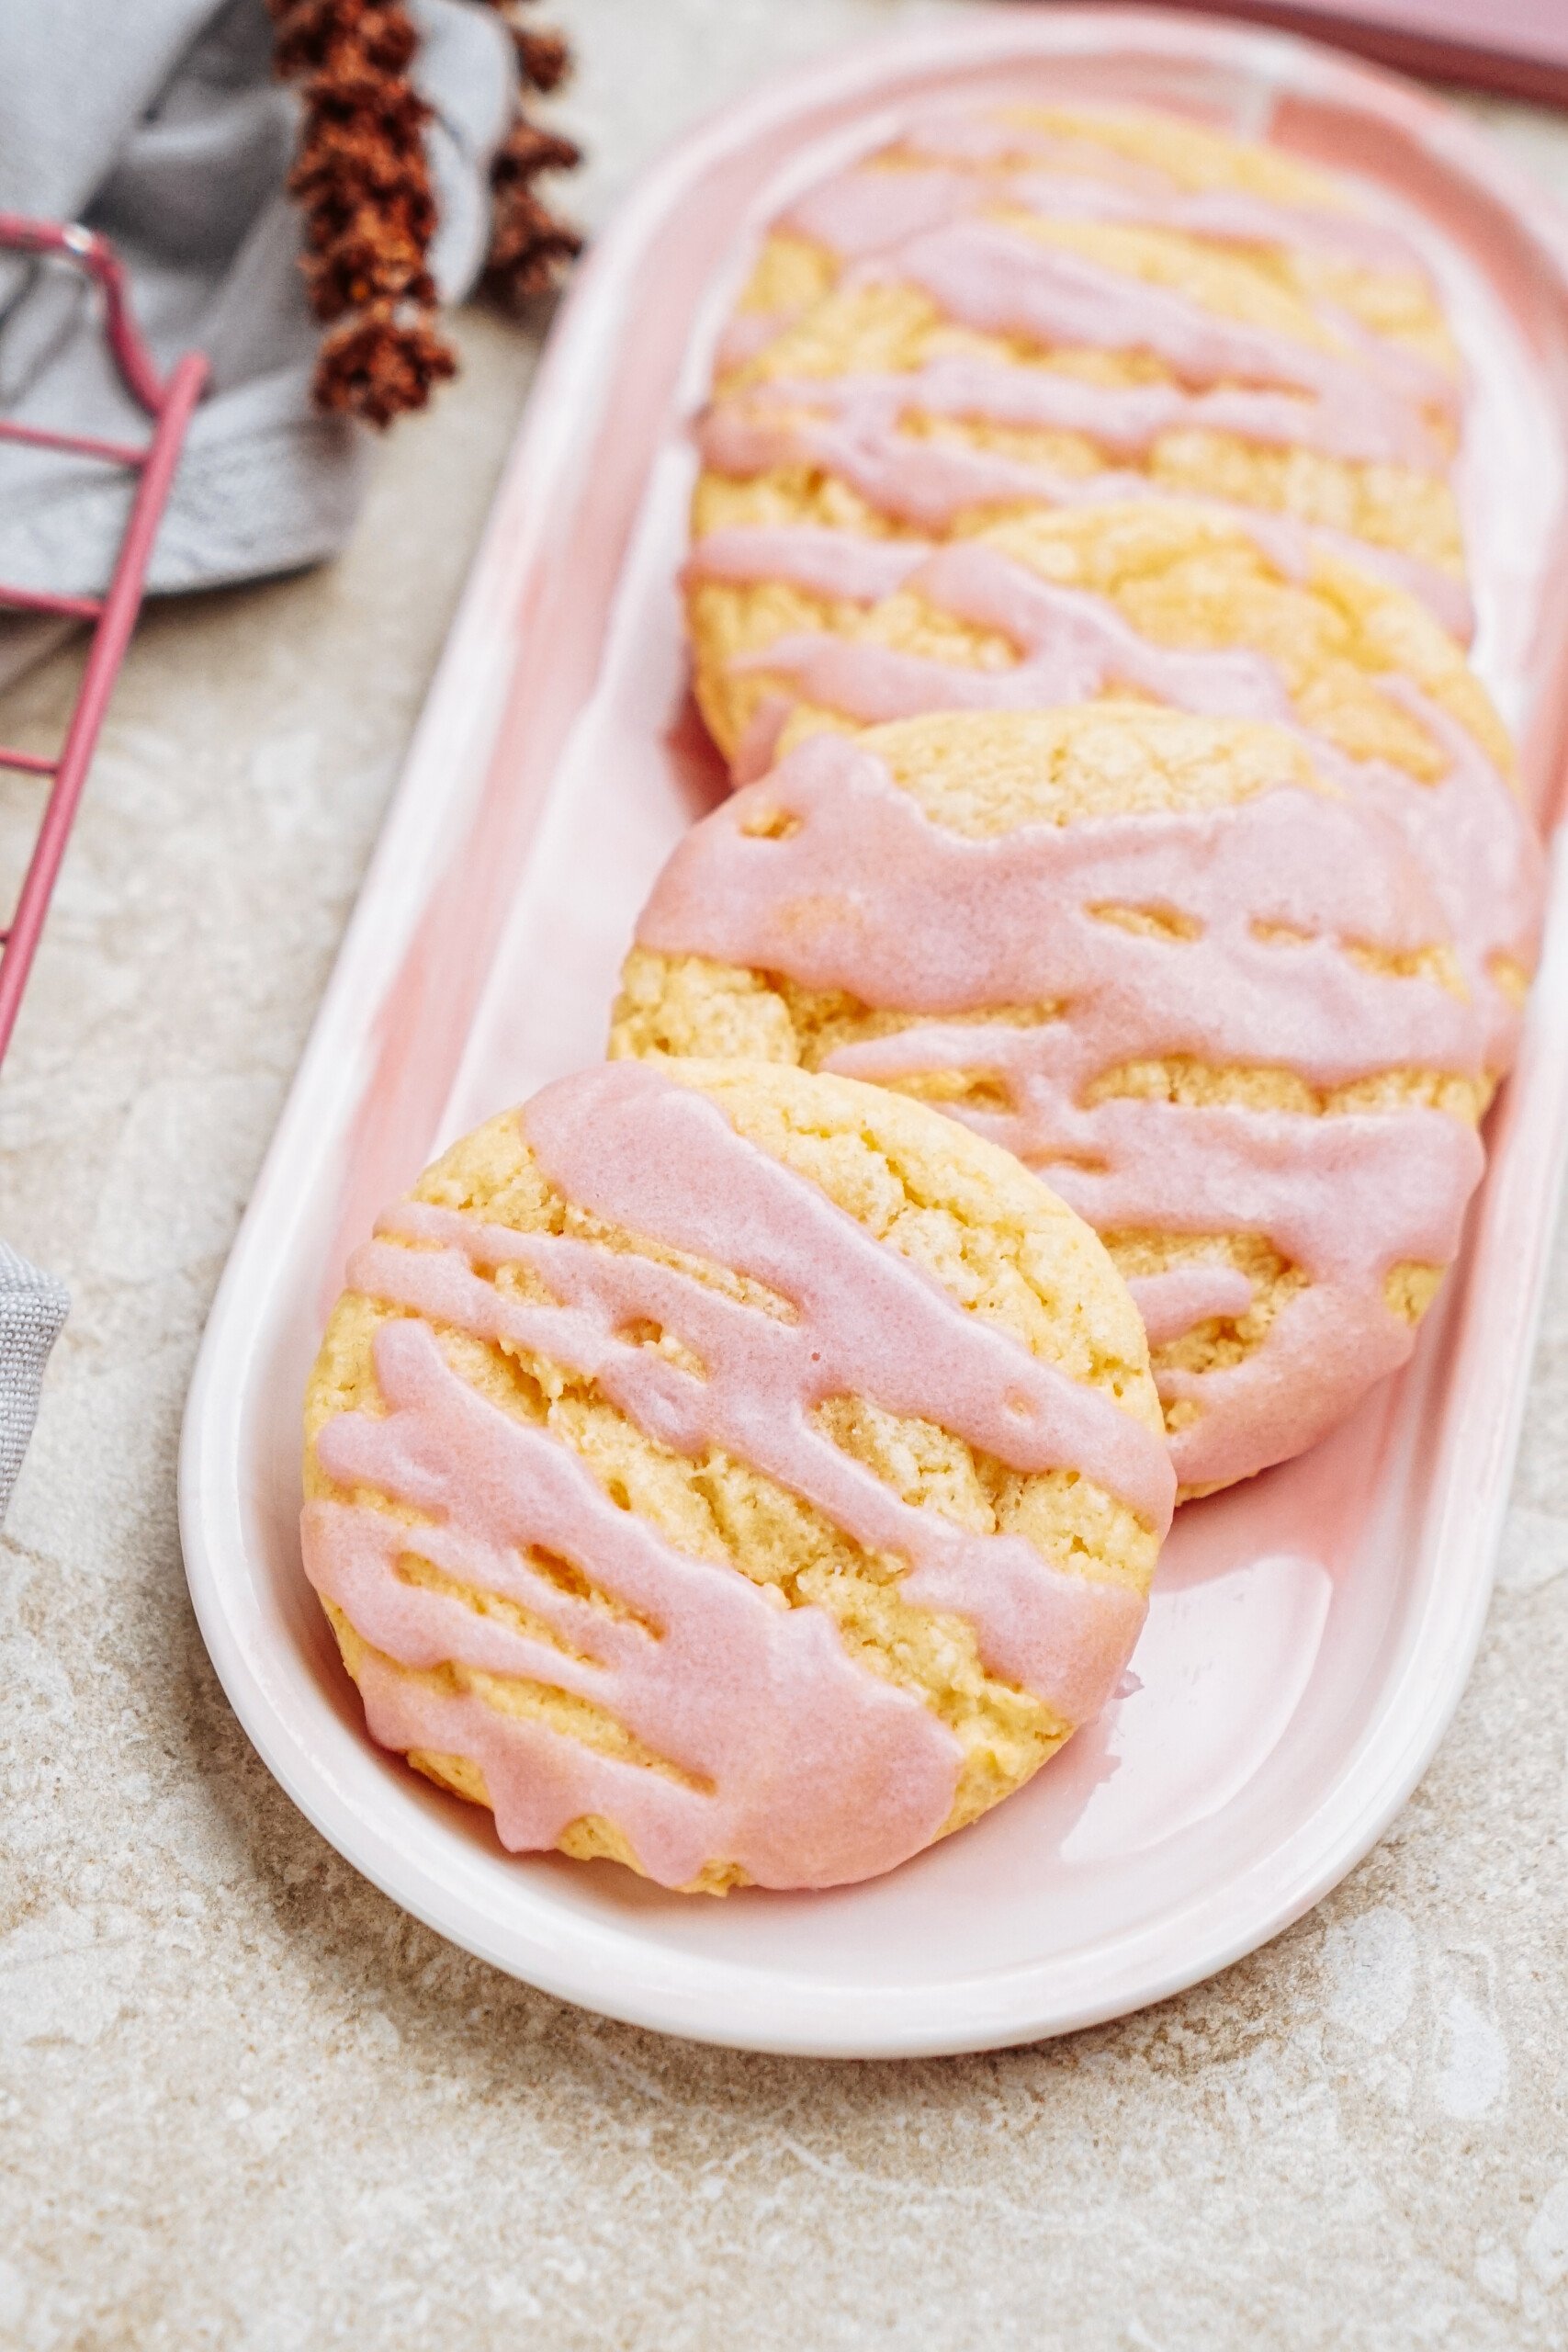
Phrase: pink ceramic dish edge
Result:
[541,756]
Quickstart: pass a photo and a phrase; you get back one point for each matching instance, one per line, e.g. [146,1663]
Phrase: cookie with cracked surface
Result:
[744,1475]
[1186,604]
[1133,166]
[1034,340]
[1213,1001]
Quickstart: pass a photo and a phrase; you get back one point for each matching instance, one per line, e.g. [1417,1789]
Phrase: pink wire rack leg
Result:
[169,402]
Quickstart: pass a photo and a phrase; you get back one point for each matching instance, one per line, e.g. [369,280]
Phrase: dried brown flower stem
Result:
[529,246]
[363,180]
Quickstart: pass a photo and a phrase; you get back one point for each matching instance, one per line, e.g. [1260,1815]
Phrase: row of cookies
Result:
[997,314]
[1178,847]
[735,1463]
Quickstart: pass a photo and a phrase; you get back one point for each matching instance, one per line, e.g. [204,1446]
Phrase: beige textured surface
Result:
[243,2101]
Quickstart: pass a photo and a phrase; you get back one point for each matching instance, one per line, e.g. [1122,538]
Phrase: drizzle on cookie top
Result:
[775,1750]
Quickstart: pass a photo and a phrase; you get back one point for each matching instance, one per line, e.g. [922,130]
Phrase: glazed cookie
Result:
[747,1476]
[1125,166]
[1187,605]
[1207,996]
[1046,345]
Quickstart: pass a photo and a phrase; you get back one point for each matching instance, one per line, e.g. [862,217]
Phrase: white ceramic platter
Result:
[1311,1633]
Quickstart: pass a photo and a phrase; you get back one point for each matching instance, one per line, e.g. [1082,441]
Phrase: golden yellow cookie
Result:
[1211,997]
[1050,157]
[1179,603]
[745,1474]
[1152,596]
[1021,347]
[779,515]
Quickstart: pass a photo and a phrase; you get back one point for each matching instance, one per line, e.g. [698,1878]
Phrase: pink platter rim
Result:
[852,1975]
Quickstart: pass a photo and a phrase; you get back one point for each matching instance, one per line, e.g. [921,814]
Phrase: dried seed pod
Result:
[363,180]
[530,245]
[378,366]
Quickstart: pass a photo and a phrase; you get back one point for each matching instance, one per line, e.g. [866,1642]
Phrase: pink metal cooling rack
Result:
[168,402]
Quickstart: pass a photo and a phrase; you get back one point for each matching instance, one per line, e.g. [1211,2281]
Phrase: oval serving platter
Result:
[1311,1633]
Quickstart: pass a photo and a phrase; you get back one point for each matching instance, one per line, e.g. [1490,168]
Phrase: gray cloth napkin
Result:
[32,1307]
[163,125]
[159,123]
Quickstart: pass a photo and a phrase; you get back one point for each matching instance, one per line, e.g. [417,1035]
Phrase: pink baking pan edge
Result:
[1311,1633]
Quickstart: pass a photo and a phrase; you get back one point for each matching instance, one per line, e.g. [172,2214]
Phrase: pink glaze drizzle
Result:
[1170,1302]
[838,564]
[870,209]
[867,896]
[1223,216]
[664,1162]
[1364,403]
[929,484]
[1469,830]
[808,1771]
[1000,280]
[925,483]
[1031,159]
[1126,419]
[866,210]
[844,565]
[745,333]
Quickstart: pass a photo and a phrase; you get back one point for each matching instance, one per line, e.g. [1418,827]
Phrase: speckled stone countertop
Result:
[246,2103]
